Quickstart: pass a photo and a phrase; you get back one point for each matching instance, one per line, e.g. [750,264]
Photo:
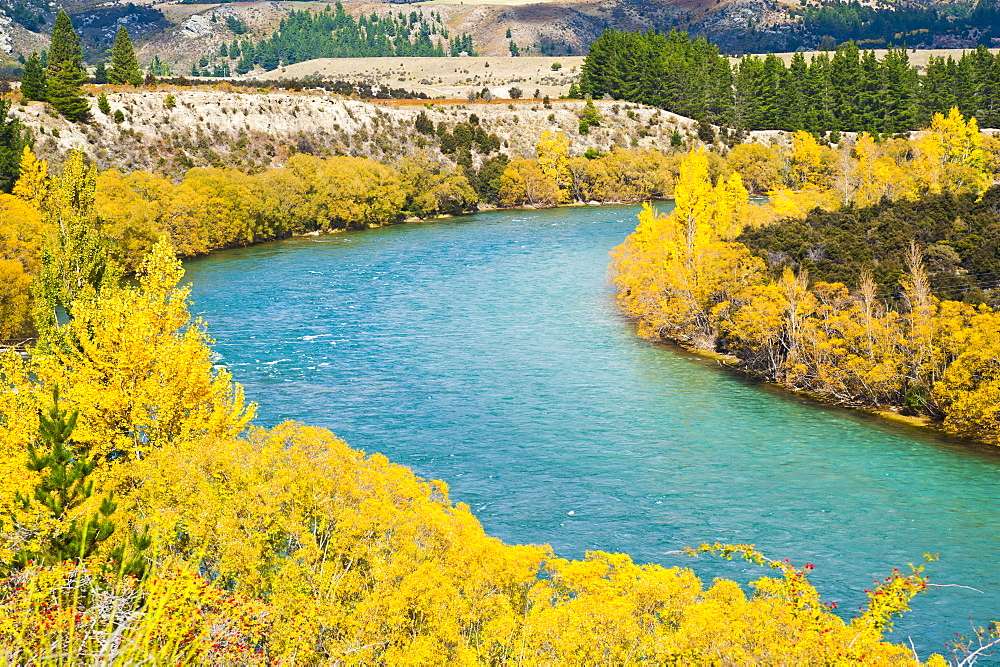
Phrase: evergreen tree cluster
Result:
[844,21]
[304,35]
[959,235]
[464,137]
[688,77]
[57,76]
[852,90]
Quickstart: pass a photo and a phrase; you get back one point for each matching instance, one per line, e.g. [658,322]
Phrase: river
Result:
[487,351]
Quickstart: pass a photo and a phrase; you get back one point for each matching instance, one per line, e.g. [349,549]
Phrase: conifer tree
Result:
[13,139]
[33,83]
[936,92]
[124,67]
[100,73]
[589,117]
[65,43]
[794,98]
[65,71]
[63,487]
[899,82]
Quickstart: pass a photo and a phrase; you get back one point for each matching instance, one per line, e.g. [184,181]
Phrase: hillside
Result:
[250,131]
[447,77]
[181,34]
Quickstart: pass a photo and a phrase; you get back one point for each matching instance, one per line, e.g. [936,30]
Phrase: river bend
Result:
[487,351]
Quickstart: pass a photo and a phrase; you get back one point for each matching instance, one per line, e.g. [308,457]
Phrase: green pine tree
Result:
[793,96]
[100,73]
[65,71]
[870,94]
[13,138]
[65,43]
[936,90]
[33,84]
[64,93]
[899,86]
[63,487]
[124,66]
[964,86]
[589,117]
[846,80]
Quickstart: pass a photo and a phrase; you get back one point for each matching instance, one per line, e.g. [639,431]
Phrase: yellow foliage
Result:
[351,191]
[809,162]
[434,189]
[131,355]
[553,160]
[950,155]
[71,613]
[759,165]
[524,183]
[674,269]
[21,235]
[879,175]
[134,209]
[786,204]
[969,389]
[32,183]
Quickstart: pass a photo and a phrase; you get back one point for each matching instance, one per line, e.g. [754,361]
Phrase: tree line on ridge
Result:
[850,90]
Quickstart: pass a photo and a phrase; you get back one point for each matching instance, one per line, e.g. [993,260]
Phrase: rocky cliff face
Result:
[251,131]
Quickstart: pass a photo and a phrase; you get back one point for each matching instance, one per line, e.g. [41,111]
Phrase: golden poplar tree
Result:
[553,159]
[674,269]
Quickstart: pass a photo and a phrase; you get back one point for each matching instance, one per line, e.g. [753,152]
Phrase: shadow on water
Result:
[487,351]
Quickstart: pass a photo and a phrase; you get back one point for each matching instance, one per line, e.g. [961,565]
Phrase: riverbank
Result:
[886,413]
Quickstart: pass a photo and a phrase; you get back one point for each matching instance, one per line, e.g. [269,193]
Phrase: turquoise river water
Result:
[487,351]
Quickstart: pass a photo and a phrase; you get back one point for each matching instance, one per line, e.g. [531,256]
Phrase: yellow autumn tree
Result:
[134,211]
[553,160]
[354,192]
[524,183]
[433,188]
[879,174]
[674,269]
[21,236]
[31,185]
[132,355]
[968,391]
[809,163]
[760,166]
[950,155]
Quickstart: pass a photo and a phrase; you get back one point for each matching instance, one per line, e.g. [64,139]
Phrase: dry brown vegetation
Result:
[447,77]
[251,131]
